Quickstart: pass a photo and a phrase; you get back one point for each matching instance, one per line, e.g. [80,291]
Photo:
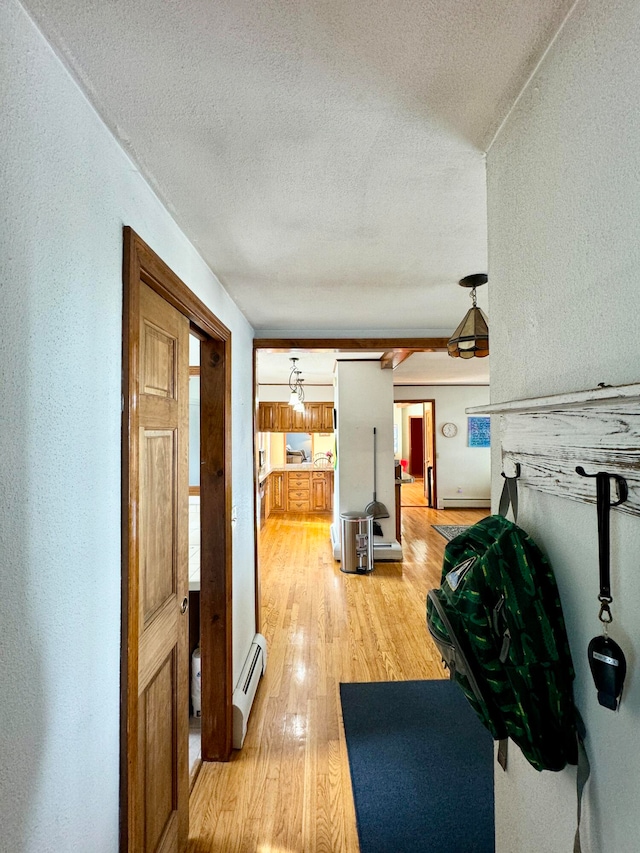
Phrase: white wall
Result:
[564,208]
[67,190]
[364,400]
[457,465]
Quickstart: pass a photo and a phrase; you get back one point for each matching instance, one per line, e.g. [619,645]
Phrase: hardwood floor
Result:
[412,494]
[288,790]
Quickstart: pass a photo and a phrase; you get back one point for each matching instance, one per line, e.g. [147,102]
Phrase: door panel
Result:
[158,362]
[157,518]
[416,446]
[160,787]
[158,748]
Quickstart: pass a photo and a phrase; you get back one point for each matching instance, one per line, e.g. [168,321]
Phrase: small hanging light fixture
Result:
[295,386]
[471,338]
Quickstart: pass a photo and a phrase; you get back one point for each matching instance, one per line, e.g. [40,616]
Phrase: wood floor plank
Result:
[289,790]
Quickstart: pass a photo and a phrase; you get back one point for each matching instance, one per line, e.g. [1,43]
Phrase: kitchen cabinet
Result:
[319,417]
[280,417]
[299,491]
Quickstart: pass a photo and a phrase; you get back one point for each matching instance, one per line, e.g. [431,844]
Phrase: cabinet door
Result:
[327,417]
[319,494]
[313,416]
[277,490]
[298,421]
[267,417]
[283,417]
[267,498]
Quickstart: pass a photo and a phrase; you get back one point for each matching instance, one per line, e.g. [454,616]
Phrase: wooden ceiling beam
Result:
[392,358]
[353,344]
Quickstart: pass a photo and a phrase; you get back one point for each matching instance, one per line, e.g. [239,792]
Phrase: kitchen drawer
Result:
[298,494]
[320,475]
[298,482]
[299,505]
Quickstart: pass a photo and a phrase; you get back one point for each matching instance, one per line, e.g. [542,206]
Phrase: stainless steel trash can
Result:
[356,537]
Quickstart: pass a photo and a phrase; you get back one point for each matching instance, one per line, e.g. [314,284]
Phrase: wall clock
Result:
[449,430]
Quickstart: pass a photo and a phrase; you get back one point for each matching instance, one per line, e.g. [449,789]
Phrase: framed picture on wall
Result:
[479,431]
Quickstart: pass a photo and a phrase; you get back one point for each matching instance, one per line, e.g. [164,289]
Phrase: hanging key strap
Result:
[604,504]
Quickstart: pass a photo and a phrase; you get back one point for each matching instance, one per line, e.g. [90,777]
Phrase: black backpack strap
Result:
[584,771]
[509,496]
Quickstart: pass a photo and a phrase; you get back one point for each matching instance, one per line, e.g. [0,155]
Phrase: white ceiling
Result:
[325,156]
[317,368]
[422,368]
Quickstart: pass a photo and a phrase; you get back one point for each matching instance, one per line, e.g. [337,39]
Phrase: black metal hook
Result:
[517,474]
[509,496]
[605,478]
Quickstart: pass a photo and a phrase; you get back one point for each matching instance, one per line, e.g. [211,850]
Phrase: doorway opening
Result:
[416,448]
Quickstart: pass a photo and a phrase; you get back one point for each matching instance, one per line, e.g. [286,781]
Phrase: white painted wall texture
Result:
[458,465]
[364,400]
[67,190]
[564,207]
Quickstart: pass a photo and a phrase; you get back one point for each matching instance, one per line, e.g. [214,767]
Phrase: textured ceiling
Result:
[422,368]
[325,156]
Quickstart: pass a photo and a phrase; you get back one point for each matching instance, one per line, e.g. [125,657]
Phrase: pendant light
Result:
[296,400]
[471,338]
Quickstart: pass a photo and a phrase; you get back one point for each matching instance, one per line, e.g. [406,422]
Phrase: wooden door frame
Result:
[141,264]
[424,400]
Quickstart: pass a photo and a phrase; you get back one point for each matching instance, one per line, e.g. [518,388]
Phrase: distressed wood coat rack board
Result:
[549,436]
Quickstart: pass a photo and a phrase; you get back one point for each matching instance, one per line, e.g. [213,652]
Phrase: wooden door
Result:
[416,447]
[429,455]
[158,310]
[158,625]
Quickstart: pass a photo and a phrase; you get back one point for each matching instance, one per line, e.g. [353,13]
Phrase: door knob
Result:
[184,606]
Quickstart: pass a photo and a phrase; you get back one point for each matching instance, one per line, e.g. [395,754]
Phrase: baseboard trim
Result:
[461,503]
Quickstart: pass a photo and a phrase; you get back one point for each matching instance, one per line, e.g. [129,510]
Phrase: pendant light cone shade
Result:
[471,338]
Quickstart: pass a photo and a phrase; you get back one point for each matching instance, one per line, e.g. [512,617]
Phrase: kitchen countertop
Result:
[300,466]
[309,466]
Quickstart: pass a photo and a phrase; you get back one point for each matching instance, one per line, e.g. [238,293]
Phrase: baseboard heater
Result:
[452,503]
[254,667]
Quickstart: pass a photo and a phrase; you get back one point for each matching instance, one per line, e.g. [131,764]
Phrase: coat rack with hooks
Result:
[548,437]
